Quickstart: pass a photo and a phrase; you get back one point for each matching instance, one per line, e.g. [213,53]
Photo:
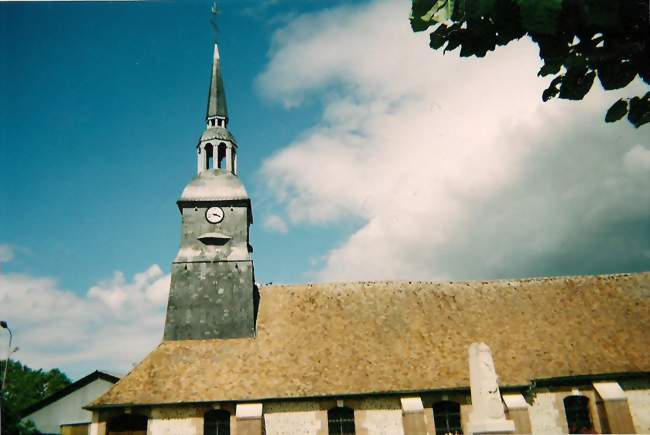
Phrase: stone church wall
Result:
[387,415]
[374,416]
[639,401]
[300,418]
[379,422]
[547,414]
[377,416]
[174,421]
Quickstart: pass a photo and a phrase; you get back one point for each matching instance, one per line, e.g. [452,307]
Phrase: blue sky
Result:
[367,155]
[105,105]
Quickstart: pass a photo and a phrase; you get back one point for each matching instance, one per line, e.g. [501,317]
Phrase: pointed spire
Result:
[217,148]
[217,107]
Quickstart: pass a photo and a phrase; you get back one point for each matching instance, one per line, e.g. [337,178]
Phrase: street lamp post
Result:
[4,325]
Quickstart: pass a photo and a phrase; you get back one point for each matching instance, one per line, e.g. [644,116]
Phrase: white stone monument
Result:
[487,416]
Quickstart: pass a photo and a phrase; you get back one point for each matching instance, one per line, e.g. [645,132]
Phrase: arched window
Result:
[131,424]
[340,421]
[216,422]
[209,161]
[577,413]
[222,156]
[446,417]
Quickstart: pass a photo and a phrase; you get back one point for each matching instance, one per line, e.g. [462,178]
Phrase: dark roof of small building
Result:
[69,389]
[381,337]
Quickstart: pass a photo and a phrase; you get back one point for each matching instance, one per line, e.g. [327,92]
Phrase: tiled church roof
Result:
[359,338]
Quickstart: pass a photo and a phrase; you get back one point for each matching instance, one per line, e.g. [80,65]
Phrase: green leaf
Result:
[467,49]
[436,41]
[575,60]
[438,37]
[552,89]
[478,38]
[418,25]
[644,71]
[553,50]
[617,111]
[425,13]
[443,13]
[549,93]
[602,13]
[453,43]
[616,74]
[576,83]
[540,16]
[442,30]
[468,9]
[639,112]
[549,68]
[507,22]
[421,7]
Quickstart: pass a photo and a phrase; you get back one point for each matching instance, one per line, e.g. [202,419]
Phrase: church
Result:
[572,353]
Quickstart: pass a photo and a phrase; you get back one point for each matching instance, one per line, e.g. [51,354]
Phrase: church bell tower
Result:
[212,292]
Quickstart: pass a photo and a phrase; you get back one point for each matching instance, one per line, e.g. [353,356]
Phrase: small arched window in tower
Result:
[446,417]
[577,413]
[340,421]
[222,156]
[209,160]
[216,422]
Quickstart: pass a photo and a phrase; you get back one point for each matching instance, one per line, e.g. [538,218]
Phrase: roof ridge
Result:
[461,282]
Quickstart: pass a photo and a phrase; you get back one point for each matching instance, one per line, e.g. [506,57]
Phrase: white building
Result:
[62,412]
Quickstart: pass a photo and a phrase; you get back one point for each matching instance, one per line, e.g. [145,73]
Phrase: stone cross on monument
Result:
[487,416]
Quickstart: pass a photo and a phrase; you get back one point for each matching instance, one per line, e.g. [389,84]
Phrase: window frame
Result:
[220,419]
[443,412]
[340,421]
[574,406]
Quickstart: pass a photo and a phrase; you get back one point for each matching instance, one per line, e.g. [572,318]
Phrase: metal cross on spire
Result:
[215,11]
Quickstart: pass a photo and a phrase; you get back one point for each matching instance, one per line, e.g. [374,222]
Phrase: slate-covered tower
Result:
[212,292]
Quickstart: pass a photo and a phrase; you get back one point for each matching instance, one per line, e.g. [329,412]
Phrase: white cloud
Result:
[150,286]
[275,223]
[112,327]
[455,165]
[637,159]
[6,253]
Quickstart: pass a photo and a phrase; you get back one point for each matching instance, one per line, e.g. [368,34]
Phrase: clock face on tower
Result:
[214,215]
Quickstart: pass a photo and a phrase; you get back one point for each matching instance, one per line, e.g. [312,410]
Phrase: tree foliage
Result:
[578,41]
[25,387]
